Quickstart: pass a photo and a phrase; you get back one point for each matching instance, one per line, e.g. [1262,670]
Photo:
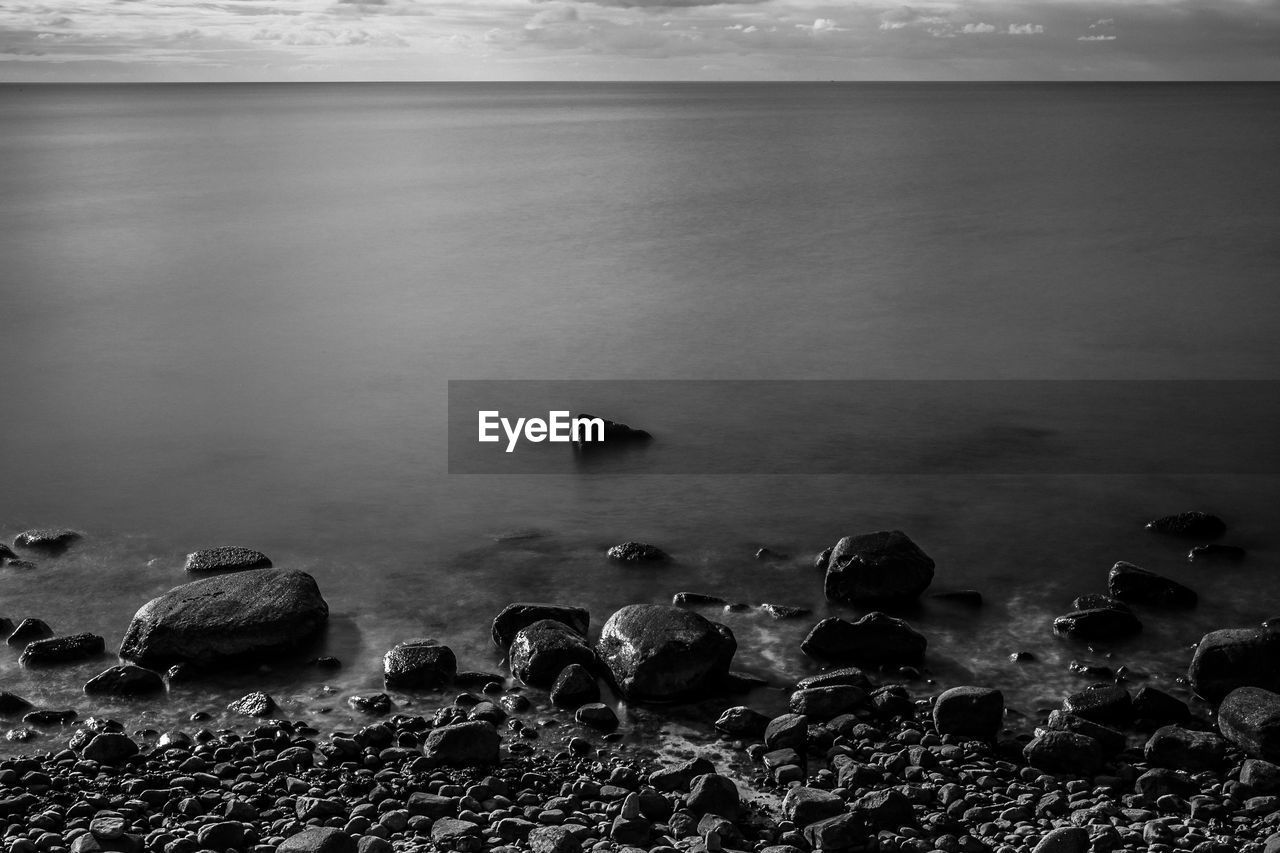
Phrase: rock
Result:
[969,711]
[553,839]
[29,630]
[1154,706]
[875,638]
[1066,752]
[522,614]
[614,433]
[464,744]
[661,653]
[125,680]
[1161,781]
[803,806]
[109,748]
[51,540]
[1261,776]
[841,832]
[1095,600]
[843,675]
[712,793]
[1109,704]
[1182,749]
[453,834]
[788,731]
[541,651]
[1226,553]
[1249,717]
[374,703]
[50,717]
[637,552]
[823,703]
[227,618]
[69,649]
[224,835]
[1235,657]
[1128,582]
[741,721]
[681,776]
[227,558]
[1065,839]
[574,686]
[419,664]
[783,611]
[1191,525]
[598,716]
[697,599]
[318,839]
[11,704]
[886,809]
[256,704]
[881,566]
[1095,671]
[1103,624]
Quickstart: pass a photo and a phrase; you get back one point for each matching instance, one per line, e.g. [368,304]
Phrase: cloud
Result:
[1096,38]
[821,25]
[905,16]
[1026,29]
[978,29]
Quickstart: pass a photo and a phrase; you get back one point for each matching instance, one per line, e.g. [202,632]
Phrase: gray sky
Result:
[177,40]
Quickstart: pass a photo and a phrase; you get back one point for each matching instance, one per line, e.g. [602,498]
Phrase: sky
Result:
[302,40]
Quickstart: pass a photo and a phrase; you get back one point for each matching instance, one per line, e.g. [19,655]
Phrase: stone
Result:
[453,834]
[1130,583]
[1191,525]
[741,721]
[885,809]
[1109,704]
[318,839]
[614,433]
[1224,553]
[1235,657]
[680,776]
[1154,706]
[1066,752]
[243,616]
[419,664]
[472,743]
[109,748]
[29,630]
[1104,624]
[637,552]
[1111,740]
[224,835]
[661,653]
[712,793]
[225,558]
[969,711]
[56,650]
[1262,776]
[1249,717]
[574,686]
[875,638]
[787,731]
[783,611]
[255,704]
[542,650]
[51,540]
[597,715]
[823,703]
[885,566]
[125,680]
[697,599]
[841,832]
[553,839]
[1096,600]
[522,614]
[373,703]
[1183,749]
[843,675]
[1065,839]
[12,704]
[803,806]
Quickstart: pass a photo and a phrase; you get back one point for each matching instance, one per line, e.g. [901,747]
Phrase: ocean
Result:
[232,314]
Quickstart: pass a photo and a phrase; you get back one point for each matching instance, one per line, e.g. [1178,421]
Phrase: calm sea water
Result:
[231,314]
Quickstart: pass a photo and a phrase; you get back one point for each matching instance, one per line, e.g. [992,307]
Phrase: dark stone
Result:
[696,599]
[1249,717]
[70,649]
[661,653]
[1159,781]
[891,701]
[419,664]
[844,675]
[820,562]
[1263,777]
[50,718]
[553,839]
[454,834]
[597,715]
[541,651]
[803,806]
[487,712]
[318,839]
[887,809]
[788,731]
[741,721]
[1131,583]
[1192,525]
[1021,657]
[1095,600]
[681,776]
[227,558]
[613,433]
[374,703]
[224,835]
[125,680]
[257,704]
[875,638]
[969,711]
[109,748]
[1065,752]
[881,566]
[823,703]
[522,614]
[433,806]
[783,611]
[29,630]
[1235,657]
[574,686]
[841,832]
[1103,624]
[712,793]
[637,552]
[11,704]
[1226,553]
[51,540]
[1182,749]
[1152,705]
[464,744]
[1092,670]
[1108,704]
[226,618]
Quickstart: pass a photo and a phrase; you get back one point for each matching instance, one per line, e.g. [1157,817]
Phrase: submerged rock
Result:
[29,630]
[227,618]
[541,651]
[69,649]
[522,614]
[1227,553]
[783,611]
[1194,525]
[1128,582]
[1103,624]
[697,599]
[125,680]
[373,703]
[1235,657]
[875,638]
[661,653]
[1108,704]
[637,552]
[48,539]
[226,558]
[256,704]
[881,566]
[419,664]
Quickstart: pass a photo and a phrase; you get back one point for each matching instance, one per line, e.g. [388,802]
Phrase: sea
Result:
[233,315]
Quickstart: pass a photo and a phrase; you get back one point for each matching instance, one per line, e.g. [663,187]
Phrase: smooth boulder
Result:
[541,651]
[473,743]
[662,653]
[243,616]
[69,649]
[881,566]
[969,712]
[1249,717]
[419,664]
[1133,584]
[1235,657]
[875,638]
[522,614]
[125,680]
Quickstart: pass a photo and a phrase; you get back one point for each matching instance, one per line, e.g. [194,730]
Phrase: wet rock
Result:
[419,664]
[50,717]
[1225,553]
[741,721]
[553,839]
[875,638]
[69,649]
[541,651]
[1235,657]
[843,675]
[522,614]
[1065,752]
[226,558]
[712,793]
[12,704]
[637,552]
[1065,839]
[1092,670]
[374,703]
[598,716]
[110,748]
[1182,749]
[318,839]
[803,806]
[660,653]
[823,703]
[1095,600]
[782,611]
[51,540]
[1108,704]
[1128,582]
[969,711]
[681,776]
[1162,781]
[841,832]
[1263,777]
[574,686]
[1249,717]
[454,834]
[887,809]
[1103,624]
[881,566]
[1191,525]
[464,744]
[227,618]
[697,599]
[1153,706]
[6,553]
[255,704]
[788,731]
[327,662]
[1021,657]
[125,680]
[29,630]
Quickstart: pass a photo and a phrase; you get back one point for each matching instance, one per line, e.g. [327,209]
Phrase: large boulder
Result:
[1130,583]
[226,558]
[881,566]
[969,711]
[419,664]
[1099,624]
[541,651]
[1250,718]
[875,638]
[51,540]
[227,618]
[661,653]
[70,649]
[473,743]
[1235,657]
[522,614]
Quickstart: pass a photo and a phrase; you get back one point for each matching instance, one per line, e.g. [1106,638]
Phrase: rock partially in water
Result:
[227,619]
[522,614]
[1224,553]
[969,711]
[882,566]
[109,748]
[574,686]
[823,703]
[51,540]
[1191,525]
[875,638]
[661,653]
[637,552]
[29,630]
[697,599]
[783,611]
[125,680]
[541,651]
[257,704]
[226,558]
[419,664]
[13,704]
[1152,706]
[843,675]
[1249,717]
[70,649]
[1096,600]
[49,717]
[1104,624]
[597,715]
[373,703]
[1235,657]
[1128,582]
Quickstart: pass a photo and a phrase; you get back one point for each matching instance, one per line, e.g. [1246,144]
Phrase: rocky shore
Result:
[532,758]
